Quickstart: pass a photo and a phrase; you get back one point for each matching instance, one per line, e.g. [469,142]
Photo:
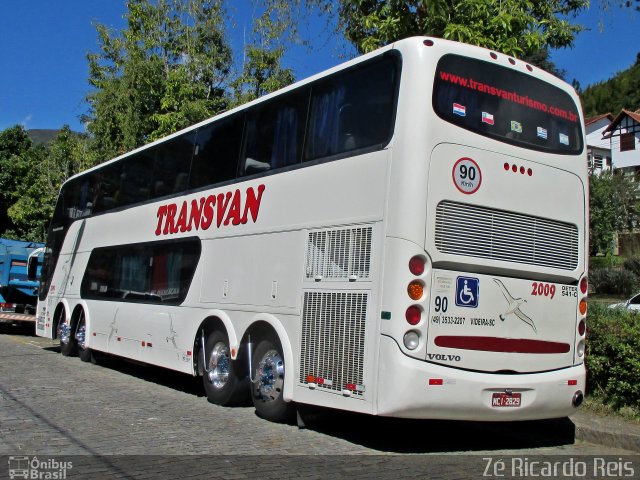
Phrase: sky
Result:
[44,43]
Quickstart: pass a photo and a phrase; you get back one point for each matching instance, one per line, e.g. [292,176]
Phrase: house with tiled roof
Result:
[624,134]
[598,148]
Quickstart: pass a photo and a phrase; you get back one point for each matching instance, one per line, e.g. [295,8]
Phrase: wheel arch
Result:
[267,325]
[60,314]
[215,320]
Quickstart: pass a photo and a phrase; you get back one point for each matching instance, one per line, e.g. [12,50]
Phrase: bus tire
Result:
[66,338]
[267,372]
[80,336]
[220,379]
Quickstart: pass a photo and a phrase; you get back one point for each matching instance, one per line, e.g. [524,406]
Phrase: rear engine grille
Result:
[332,343]
[474,231]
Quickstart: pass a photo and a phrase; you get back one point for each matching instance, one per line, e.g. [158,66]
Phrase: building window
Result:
[597,162]
[627,142]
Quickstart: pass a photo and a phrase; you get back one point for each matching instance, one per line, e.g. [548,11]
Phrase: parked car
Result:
[632,304]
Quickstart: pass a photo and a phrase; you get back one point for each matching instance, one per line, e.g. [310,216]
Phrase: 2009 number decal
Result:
[540,289]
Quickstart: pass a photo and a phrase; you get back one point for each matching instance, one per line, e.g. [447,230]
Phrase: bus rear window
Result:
[506,105]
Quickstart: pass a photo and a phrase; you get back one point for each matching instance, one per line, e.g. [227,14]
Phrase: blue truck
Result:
[18,294]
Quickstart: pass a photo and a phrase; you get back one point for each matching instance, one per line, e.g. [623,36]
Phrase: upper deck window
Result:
[506,105]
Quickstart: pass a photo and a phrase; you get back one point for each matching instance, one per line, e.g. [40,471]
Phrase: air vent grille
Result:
[474,231]
[333,336]
[339,254]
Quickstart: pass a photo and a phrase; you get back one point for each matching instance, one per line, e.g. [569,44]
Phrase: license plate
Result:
[506,400]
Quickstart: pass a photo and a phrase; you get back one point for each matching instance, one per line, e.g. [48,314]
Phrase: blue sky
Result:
[43,47]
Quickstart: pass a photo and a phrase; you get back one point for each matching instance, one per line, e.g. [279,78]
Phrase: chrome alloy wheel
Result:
[219,365]
[270,376]
[63,332]
[81,334]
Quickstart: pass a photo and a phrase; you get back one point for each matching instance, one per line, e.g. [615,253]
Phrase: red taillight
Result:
[416,266]
[584,285]
[413,315]
[582,327]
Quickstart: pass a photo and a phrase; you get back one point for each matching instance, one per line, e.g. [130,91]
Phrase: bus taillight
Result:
[413,314]
[583,306]
[417,265]
[584,285]
[415,290]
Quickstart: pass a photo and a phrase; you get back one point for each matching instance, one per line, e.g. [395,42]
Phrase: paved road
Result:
[144,422]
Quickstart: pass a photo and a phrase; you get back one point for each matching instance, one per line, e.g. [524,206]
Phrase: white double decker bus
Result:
[402,235]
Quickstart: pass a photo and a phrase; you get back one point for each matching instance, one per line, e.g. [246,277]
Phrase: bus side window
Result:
[172,165]
[352,111]
[217,151]
[274,134]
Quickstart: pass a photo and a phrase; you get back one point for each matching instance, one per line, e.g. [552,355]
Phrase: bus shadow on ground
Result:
[150,373]
[389,434]
[384,434]
[399,435]
[26,329]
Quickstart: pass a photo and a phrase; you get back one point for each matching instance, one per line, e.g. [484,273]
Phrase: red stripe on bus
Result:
[495,344]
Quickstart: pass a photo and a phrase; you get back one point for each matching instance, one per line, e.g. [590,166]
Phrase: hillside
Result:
[39,136]
[621,91]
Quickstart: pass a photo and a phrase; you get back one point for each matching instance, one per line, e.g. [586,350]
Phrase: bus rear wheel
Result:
[268,371]
[67,340]
[85,353]
[220,379]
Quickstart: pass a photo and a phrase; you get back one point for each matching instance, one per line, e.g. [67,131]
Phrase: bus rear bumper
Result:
[412,388]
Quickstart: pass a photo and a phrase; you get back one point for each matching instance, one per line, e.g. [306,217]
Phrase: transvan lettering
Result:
[235,208]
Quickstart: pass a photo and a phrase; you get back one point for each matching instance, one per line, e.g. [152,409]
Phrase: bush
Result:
[613,281]
[632,264]
[613,356]
[608,261]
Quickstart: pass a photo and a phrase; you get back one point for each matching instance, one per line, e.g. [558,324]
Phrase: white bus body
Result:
[487,230]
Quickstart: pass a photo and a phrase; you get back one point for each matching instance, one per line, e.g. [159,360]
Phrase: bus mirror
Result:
[32,264]
[32,267]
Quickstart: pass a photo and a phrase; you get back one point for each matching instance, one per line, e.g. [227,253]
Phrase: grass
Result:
[596,406]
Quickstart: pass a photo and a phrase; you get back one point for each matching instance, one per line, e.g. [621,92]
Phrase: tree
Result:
[613,207]
[166,70]
[515,27]
[14,142]
[262,71]
[39,171]
[520,28]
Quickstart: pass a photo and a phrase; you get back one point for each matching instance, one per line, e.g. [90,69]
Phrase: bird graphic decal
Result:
[514,306]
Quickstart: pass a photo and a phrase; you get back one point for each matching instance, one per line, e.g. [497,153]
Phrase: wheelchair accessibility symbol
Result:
[467,291]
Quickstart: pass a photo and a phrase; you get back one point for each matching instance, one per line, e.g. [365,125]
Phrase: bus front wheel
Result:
[221,382]
[268,371]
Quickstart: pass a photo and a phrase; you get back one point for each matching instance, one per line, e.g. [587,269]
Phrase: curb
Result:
[607,431]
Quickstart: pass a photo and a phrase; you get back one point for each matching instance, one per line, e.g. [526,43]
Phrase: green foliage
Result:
[613,281]
[607,261]
[166,70]
[621,91]
[613,207]
[633,265]
[613,356]
[515,27]
[14,142]
[31,177]
[262,71]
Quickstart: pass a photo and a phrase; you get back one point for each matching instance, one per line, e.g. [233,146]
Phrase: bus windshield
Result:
[506,105]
